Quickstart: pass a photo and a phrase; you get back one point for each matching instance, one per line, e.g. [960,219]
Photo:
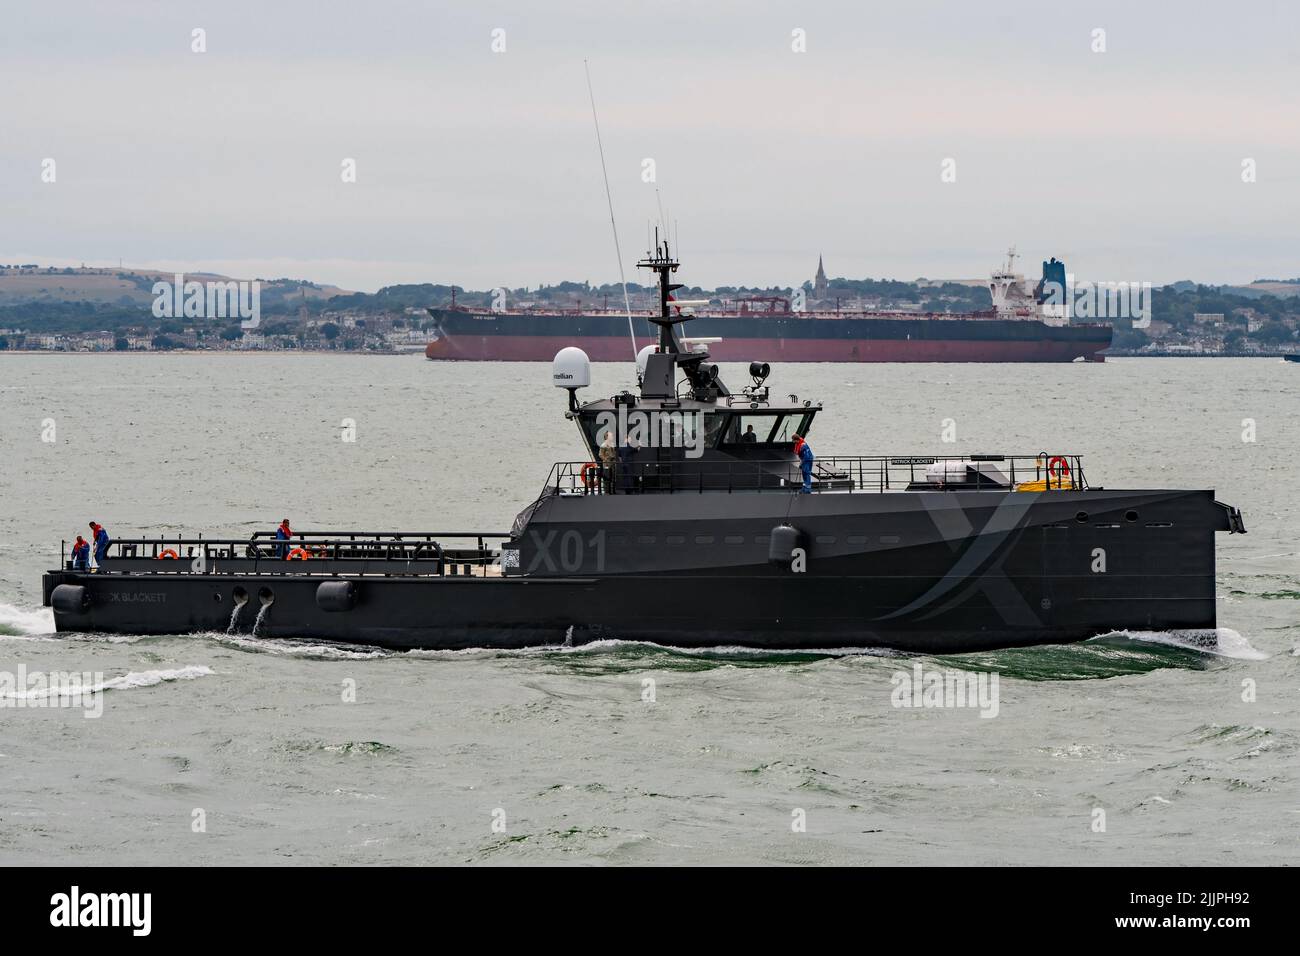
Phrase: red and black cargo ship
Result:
[1019,328]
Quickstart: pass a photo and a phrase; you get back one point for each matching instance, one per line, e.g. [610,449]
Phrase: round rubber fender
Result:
[70,599]
[781,544]
[336,595]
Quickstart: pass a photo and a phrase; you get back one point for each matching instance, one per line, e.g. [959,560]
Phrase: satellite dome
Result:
[571,368]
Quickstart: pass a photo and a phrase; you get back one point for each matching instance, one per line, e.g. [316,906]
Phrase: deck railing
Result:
[325,552]
[1041,472]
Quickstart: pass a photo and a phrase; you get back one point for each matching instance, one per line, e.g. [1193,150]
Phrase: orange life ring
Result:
[1057,466]
[169,553]
[300,553]
[587,471]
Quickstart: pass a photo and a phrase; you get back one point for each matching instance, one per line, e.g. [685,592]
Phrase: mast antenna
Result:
[627,304]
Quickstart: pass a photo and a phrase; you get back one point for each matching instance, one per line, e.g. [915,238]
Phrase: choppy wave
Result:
[127,681]
[1226,642]
[1285,594]
[612,656]
[628,652]
[1109,655]
[288,647]
[346,747]
[91,637]
[26,622]
[724,650]
[1117,654]
[1086,660]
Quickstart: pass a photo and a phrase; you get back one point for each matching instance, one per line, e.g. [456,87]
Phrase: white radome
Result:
[571,368]
[641,358]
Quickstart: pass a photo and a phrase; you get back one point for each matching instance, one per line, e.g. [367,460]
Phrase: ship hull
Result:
[466,336]
[458,614]
[925,572]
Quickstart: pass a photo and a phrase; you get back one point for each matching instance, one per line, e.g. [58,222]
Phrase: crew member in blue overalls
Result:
[81,554]
[99,534]
[805,453]
[282,533]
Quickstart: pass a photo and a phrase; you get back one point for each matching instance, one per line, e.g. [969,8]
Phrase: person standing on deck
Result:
[283,533]
[806,458]
[81,554]
[625,452]
[608,461]
[99,535]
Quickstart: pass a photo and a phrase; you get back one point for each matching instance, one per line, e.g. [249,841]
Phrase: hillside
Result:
[128,287]
[94,309]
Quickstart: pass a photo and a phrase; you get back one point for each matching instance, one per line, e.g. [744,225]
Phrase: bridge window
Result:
[787,428]
[642,428]
[768,427]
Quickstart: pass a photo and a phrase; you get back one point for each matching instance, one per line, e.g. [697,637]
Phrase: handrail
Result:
[383,534]
[386,542]
[836,473]
[425,549]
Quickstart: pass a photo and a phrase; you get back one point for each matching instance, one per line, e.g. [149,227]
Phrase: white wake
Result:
[1222,641]
[24,622]
[125,682]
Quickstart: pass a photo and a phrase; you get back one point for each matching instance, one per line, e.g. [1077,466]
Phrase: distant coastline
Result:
[1110,356]
[102,309]
[1164,353]
[231,352]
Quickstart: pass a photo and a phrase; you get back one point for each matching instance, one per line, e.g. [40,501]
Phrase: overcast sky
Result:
[480,168]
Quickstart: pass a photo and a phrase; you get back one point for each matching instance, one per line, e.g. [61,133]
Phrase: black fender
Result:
[336,595]
[70,599]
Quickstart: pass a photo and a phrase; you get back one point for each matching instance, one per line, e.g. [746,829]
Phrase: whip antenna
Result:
[627,304]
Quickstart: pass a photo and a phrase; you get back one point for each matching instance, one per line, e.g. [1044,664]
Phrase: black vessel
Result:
[691,527]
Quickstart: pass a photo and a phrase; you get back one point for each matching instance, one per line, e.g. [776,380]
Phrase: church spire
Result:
[820,285]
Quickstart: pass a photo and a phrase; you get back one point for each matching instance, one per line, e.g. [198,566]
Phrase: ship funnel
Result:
[571,369]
